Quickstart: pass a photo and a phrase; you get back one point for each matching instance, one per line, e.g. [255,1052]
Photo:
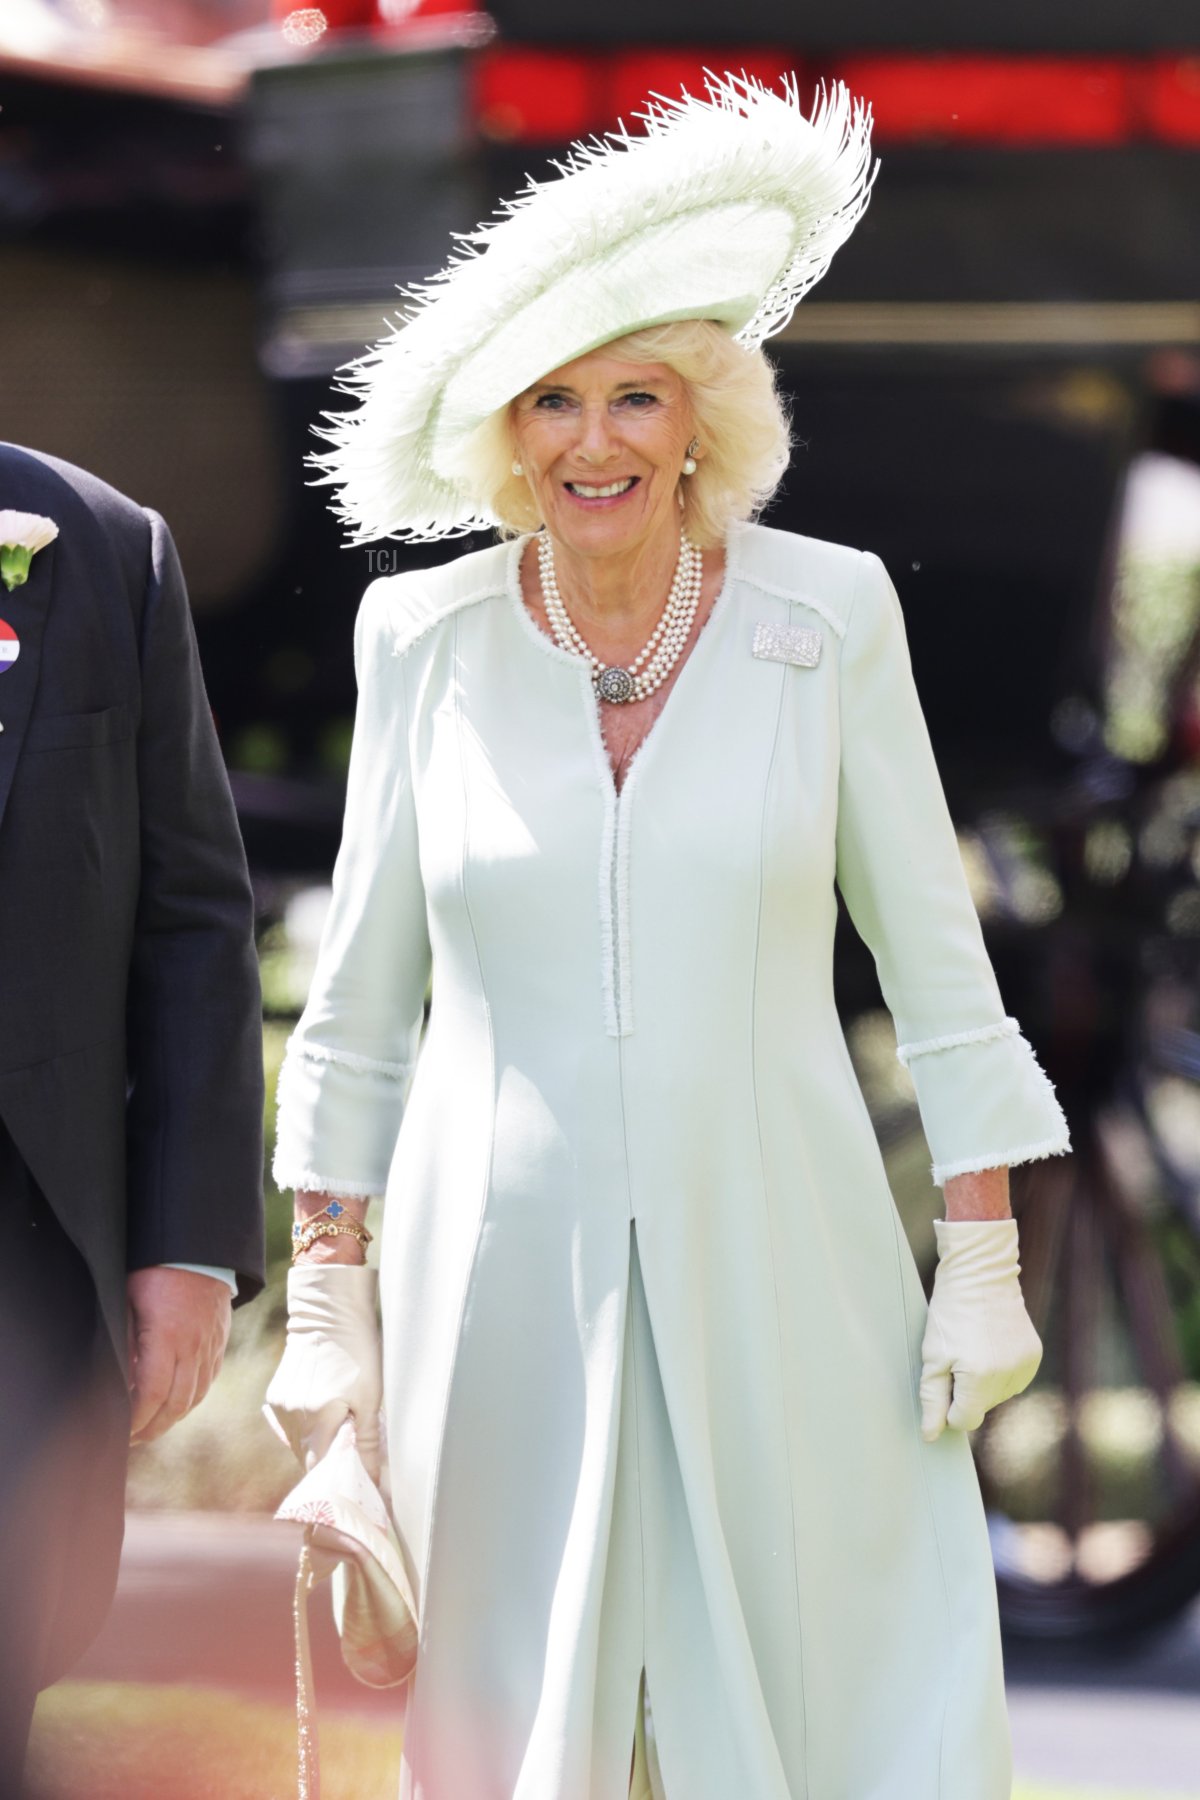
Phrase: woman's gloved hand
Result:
[980,1346]
[331,1368]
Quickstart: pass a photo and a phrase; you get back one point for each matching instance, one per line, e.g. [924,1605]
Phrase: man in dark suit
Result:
[130,1053]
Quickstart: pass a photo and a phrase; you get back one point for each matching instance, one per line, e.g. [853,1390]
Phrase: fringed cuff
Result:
[348,1059]
[338,1119]
[1059,1145]
[985,1100]
[982,1034]
[309,1181]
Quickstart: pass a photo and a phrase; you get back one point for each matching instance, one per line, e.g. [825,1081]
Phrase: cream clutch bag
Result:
[347,1528]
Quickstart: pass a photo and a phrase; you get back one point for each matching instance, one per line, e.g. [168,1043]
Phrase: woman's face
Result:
[602,444]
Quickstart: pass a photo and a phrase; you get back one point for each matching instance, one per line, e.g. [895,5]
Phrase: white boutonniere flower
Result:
[22,535]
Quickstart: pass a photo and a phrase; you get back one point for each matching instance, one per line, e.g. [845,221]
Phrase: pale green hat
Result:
[728,208]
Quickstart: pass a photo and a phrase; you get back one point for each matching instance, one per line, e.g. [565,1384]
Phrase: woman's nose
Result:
[595,434]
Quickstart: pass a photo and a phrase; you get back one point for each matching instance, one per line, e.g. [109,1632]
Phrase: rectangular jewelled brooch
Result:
[798,644]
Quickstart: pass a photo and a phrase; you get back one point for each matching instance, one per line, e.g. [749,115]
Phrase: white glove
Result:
[979,1340]
[331,1368]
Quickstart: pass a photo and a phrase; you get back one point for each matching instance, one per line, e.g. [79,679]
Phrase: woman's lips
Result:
[600,502]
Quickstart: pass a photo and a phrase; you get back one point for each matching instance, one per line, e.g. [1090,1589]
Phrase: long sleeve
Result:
[345,1076]
[984,1100]
[194,1011]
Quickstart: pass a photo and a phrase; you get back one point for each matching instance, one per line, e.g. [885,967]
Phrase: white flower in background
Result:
[22,535]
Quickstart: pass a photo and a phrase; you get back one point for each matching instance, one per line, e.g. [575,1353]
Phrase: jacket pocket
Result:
[72,731]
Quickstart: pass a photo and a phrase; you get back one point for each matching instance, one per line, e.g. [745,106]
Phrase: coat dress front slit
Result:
[651,1328]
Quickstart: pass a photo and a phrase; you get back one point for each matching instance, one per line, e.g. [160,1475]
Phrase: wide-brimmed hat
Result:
[728,208]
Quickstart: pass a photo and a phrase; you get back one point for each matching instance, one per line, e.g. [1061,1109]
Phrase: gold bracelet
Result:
[320,1228]
[332,1209]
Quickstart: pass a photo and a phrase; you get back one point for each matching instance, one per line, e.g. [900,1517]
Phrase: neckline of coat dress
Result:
[615,925]
[720,606]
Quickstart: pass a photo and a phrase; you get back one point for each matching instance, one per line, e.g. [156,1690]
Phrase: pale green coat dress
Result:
[651,1328]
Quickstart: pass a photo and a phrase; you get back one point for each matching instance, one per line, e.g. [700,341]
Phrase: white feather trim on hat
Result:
[729,209]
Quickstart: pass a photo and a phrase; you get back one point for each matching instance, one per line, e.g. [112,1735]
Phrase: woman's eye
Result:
[640,400]
[549,402]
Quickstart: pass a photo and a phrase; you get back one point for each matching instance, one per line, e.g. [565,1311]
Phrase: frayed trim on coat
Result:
[310,1182]
[347,1059]
[982,1034]
[1003,1159]
[608,924]
[621,924]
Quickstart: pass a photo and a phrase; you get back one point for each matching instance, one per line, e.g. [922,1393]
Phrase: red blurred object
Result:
[536,96]
[531,95]
[360,15]
[339,14]
[1000,99]
[1171,99]
[632,76]
[399,12]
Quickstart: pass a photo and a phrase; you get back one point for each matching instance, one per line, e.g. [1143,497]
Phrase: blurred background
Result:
[205,207]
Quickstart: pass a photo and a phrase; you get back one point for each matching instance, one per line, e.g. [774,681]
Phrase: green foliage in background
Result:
[1156,604]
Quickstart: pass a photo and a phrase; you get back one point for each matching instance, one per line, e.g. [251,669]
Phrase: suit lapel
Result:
[25,610]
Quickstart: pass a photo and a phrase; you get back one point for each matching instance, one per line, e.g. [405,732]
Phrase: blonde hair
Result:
[738,415]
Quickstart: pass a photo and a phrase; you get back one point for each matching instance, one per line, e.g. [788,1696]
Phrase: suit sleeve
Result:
[984,1100]
[346,1072]
[194,1010]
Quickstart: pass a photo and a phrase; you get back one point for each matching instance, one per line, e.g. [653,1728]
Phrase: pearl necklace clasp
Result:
[661,650]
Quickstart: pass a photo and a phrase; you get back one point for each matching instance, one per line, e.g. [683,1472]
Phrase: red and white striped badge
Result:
[10,646]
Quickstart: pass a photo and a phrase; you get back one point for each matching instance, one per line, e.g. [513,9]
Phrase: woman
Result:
[664,1411]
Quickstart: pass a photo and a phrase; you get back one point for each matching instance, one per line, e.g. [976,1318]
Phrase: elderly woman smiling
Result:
[669,1422]
[607,447]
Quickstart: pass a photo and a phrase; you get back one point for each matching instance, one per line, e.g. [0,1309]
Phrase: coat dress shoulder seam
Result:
[794,597]
[854,593]
[415,612]
[815,564]
[758,1127]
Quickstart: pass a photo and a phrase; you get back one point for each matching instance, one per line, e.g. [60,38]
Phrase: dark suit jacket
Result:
[130,1025]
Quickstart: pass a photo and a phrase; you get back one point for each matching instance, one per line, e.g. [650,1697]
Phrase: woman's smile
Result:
[597,497]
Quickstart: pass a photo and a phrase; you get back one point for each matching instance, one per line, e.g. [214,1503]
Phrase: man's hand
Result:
[178,1329]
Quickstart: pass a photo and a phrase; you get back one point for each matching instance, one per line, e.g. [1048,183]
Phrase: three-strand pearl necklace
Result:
[665,646]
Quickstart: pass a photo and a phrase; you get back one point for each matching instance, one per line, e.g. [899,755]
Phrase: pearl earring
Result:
[517,469]
[689,461]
